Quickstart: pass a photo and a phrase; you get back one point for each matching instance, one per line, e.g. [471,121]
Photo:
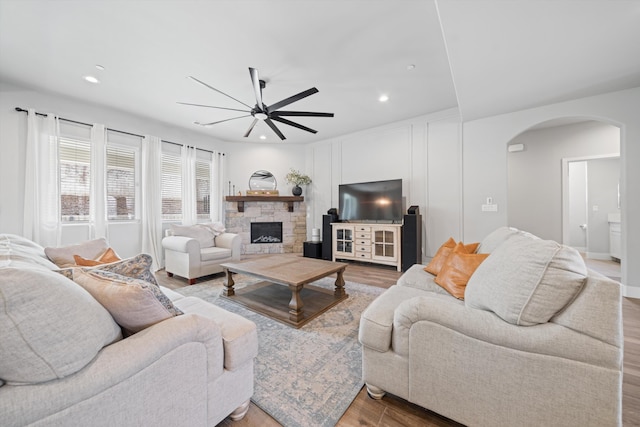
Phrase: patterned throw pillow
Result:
[66,272]
[137,267]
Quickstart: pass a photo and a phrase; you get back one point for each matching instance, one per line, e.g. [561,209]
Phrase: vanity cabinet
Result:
[375,243]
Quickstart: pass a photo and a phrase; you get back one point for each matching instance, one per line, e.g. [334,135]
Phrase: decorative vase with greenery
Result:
[297,179]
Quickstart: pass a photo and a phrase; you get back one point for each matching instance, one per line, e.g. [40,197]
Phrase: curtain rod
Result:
[22,110]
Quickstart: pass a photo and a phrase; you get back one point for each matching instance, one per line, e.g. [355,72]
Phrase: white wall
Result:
[243,159]
[424,152]
[485,166]
[535,174]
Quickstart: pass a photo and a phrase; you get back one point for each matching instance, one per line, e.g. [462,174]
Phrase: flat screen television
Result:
[379,201]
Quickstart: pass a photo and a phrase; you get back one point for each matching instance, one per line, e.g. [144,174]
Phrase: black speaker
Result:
[413,210]
[411,240]
[327,236]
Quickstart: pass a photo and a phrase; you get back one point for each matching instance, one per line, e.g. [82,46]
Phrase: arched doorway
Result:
[550,167]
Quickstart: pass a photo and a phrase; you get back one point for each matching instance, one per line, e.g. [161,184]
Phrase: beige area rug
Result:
[308,376]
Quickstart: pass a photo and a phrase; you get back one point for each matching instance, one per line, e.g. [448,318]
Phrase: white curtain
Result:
[98,197]
[189,211]
[152,200]
[42,222]
[217,212]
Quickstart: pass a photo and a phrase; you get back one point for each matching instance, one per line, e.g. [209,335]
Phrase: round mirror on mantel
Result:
[262,180]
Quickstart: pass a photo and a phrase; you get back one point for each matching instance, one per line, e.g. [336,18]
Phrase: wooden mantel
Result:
[241,199]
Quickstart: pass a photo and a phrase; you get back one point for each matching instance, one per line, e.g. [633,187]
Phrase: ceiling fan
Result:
[260,111]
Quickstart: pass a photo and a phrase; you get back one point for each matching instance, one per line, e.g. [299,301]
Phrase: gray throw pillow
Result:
[527,281]
[135,304]
[63,256]
[51,327]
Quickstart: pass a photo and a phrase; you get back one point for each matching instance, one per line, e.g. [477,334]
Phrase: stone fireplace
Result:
[292,217]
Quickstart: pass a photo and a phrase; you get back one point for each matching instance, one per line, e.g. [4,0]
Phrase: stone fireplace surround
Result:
[294,225]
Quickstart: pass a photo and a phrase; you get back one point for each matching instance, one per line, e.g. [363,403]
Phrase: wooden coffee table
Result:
[272,298]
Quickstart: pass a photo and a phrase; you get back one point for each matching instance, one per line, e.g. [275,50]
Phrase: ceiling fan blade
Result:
[221,121]
[211,106]
[256,86]
[293,98]
[214,89]
[295,125]
[251,128]
[275,129]
[300,114]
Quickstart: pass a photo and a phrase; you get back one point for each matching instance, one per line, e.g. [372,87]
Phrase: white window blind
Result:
[203,188]
[171,187]
[121,183]
[75,179]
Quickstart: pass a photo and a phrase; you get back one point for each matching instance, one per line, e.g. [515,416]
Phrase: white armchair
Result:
[192,256]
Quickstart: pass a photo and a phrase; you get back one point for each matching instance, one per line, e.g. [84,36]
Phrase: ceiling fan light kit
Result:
[262,112]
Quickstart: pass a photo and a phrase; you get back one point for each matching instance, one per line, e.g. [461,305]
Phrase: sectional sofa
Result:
[537,340]
[66,361]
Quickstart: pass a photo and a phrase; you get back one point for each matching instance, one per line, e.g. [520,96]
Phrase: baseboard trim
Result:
[631,291]
[599,255]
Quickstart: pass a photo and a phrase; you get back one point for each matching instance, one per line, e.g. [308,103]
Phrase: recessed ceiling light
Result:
[99,67]
[410,67]
[91,79]
[383,98]
[263,137]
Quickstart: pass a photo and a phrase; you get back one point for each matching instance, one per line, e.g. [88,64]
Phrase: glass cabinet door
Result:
[344,241]
[384,245]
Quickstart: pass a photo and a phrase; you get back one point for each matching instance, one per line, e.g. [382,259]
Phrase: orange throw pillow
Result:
[471,248]
[457,270]
[441,256]
[443,253]
[108,257]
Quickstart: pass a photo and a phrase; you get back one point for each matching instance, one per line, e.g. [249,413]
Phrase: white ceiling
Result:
[484,56]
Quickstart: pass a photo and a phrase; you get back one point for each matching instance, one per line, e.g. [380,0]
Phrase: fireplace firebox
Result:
[266,232]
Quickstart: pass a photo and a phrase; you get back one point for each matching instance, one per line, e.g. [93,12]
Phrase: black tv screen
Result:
[371,201]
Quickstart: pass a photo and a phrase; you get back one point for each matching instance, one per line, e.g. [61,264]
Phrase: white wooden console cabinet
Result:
[367,242]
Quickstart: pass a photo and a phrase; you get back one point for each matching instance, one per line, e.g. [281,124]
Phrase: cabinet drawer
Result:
[363,255]
[364,228]
[360,241]
[363,248]
[363,235]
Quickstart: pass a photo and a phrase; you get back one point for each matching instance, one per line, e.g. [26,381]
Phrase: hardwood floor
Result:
[393,411]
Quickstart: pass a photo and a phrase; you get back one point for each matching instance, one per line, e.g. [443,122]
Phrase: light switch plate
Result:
[489,208]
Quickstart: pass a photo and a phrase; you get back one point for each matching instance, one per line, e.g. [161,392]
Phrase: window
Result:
[121,183]
[203,189]
[171,187]
[75,179]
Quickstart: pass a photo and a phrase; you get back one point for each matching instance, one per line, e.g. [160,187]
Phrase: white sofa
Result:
[197,251]
[64,361]
[509,354]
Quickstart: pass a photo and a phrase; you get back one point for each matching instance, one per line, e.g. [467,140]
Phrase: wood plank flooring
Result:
[393,411]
